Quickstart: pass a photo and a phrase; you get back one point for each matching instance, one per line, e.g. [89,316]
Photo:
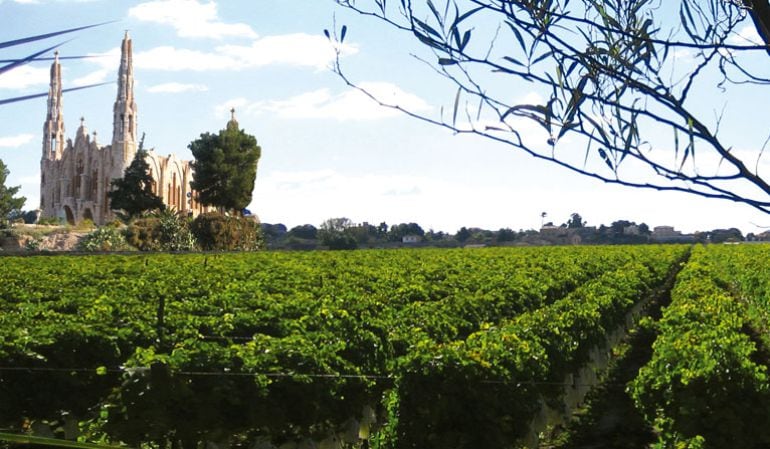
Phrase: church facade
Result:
[75,176]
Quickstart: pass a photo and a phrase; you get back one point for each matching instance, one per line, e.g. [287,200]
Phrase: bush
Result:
[85,224]
[161,231]
[104,239]
[217,232]
[48,221]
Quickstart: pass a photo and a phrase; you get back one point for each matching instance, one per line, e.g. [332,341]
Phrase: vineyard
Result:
[482,348]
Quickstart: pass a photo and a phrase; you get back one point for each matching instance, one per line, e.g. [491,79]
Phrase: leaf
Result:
[606,158]
[465,15]
[541,57]
[29,97]
[518,35]
[513,61]
[47,35]
[466,39]
[435,12]
[326,33]
[26,60]
[456,106]
[427,28]
[446,61]
[42,441]
[343,32]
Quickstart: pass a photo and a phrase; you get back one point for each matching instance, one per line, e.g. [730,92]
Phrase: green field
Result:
[428,348]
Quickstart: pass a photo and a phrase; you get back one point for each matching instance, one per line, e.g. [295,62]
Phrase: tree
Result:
[306,231]
[133,192]
[463,234]
[9,204]
[609,78]
[399,231]
[506,235]
[225,167]
[335,233]
[575,221]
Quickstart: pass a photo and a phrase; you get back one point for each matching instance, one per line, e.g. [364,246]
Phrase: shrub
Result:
[161,231]
[85,224]
[48,221]
[104,239]
[217,232]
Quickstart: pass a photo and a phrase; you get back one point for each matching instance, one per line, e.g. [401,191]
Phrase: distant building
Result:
[631,230]
[669,234]
[411,239]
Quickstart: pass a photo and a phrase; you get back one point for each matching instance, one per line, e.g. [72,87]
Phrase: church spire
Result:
[124,118]
[53,128]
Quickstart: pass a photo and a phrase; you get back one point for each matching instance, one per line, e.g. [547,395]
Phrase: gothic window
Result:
[122,122]
[173,193]
[78,178]
[94,184]
[131,124]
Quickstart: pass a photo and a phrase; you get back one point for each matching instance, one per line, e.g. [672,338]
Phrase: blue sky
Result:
[327,150]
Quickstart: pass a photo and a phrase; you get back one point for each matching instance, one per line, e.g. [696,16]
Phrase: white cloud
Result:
[176,59]
[23,77]
[301,50]
[95,77]
[190,18]
[745,36]
[16,141]
[349,105]
[297,49]
[238,103]
[175,88]
[298,197]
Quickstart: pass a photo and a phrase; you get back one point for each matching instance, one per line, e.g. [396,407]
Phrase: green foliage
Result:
[337,234]
[706,382]
[306,231]
[51,221]
[133,193]
[288,346]
[217,232]
[483,391]
[399,231]
[225,167]
[575,221]
[9,204]
[104,239]
[164,230]
[458,347]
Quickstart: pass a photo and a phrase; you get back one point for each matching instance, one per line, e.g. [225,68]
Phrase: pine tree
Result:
[133,192]
[225,167]
[8,204]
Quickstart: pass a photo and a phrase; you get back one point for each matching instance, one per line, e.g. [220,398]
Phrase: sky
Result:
[327,150]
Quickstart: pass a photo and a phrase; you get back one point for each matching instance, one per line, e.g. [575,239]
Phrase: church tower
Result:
[53,128]
[124,140]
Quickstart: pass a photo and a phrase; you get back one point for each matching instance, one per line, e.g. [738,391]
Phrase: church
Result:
[75,176]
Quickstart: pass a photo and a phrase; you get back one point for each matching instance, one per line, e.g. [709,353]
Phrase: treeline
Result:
[343,233]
